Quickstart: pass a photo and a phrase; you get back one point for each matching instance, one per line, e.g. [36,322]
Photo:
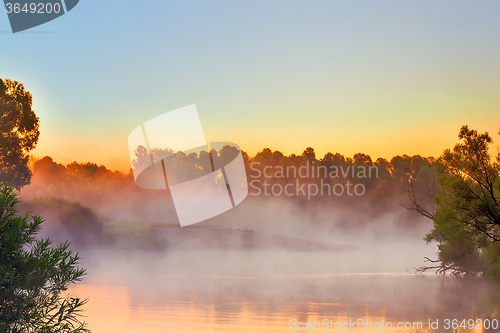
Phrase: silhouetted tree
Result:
[309,154]
[48,172]
[18,133]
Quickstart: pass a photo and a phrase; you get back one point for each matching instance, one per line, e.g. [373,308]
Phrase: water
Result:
[271,291]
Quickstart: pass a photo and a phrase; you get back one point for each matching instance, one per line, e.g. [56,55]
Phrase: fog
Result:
[215,280]
[269,258]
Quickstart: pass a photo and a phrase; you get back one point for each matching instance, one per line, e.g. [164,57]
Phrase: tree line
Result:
[459,190]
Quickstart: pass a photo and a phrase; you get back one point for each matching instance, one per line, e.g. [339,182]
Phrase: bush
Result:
[65,218]
[34,275]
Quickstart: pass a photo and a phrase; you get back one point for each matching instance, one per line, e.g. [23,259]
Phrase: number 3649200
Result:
[471,324]
[33,8]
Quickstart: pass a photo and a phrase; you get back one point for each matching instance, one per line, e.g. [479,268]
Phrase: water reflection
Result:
[149,292]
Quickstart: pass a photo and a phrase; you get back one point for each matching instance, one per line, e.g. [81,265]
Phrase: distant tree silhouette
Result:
[48,172]
[309,154]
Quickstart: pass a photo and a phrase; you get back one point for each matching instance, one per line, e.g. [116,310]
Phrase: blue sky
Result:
[380,77]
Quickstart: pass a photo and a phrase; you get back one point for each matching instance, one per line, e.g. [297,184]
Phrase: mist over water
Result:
[199,289]
[253,268]
[209,291]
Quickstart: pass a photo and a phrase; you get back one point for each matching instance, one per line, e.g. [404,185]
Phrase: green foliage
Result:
[18,133]
[70,215]
[467,220]
[491,257]
[34,276]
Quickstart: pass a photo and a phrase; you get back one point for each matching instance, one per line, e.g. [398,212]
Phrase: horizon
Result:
[380,78]
[127,167]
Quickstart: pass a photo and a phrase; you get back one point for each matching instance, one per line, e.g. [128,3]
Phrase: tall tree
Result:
[467,218]
[18,132]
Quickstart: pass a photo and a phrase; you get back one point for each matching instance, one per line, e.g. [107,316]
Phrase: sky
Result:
[380,77]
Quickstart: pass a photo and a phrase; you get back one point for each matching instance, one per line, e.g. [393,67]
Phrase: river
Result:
[275,291]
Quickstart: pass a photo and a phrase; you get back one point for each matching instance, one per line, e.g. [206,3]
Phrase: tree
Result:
[18,132]
[34,276]
[309,154]
[467,218]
